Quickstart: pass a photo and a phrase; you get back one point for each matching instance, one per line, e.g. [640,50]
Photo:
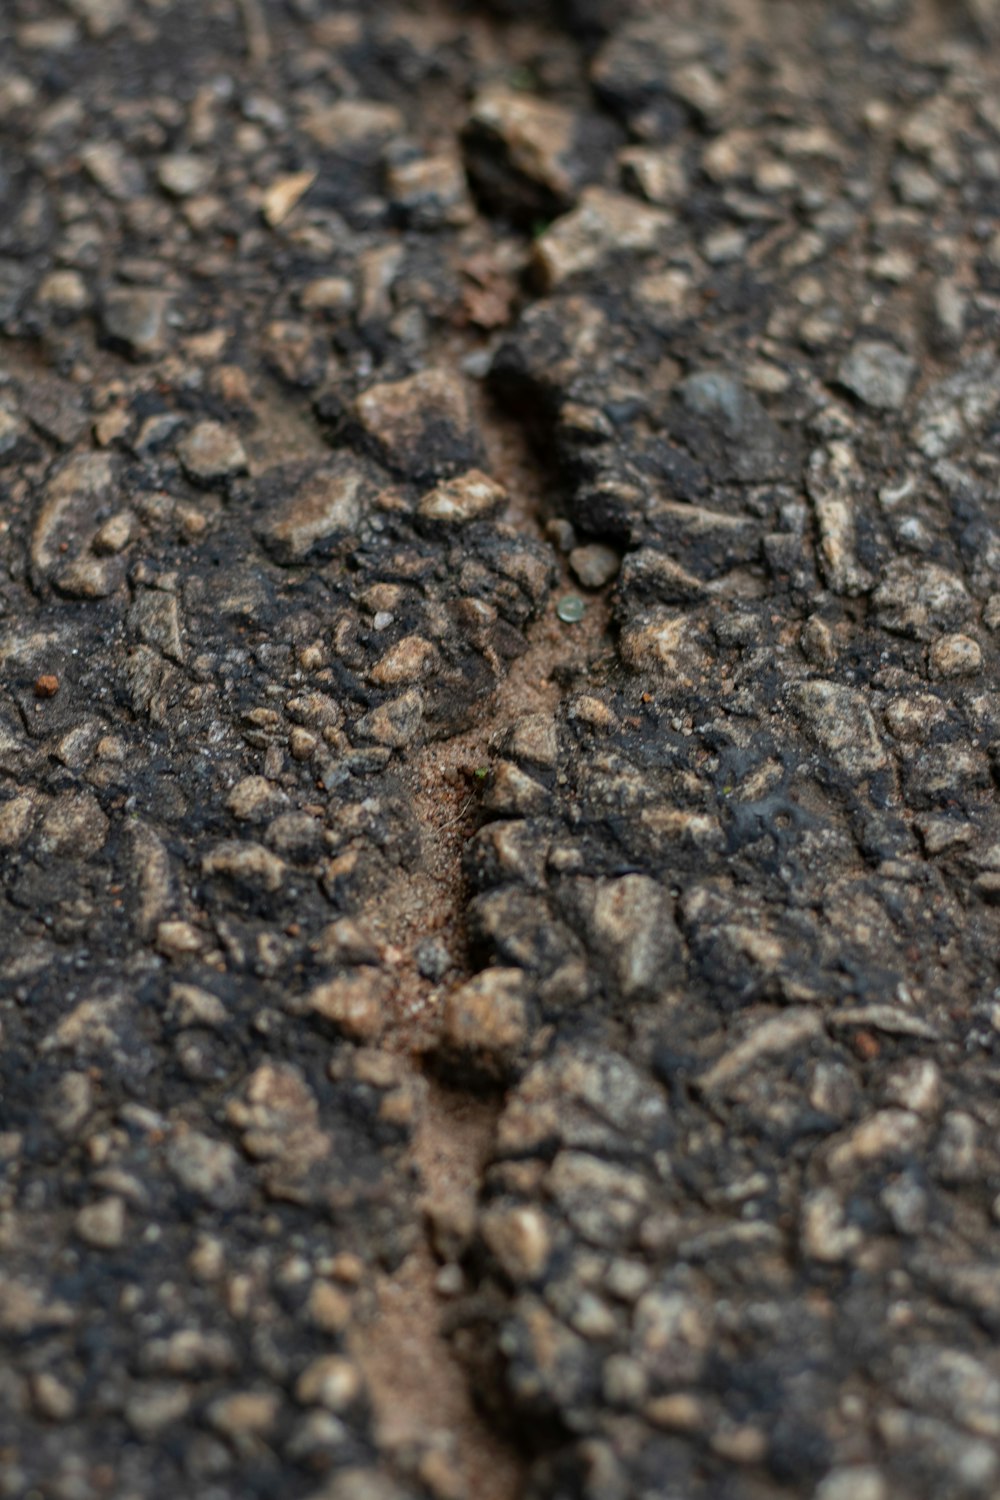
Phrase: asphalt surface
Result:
[499,745]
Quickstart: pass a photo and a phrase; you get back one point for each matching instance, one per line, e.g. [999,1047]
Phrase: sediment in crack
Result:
[418,1374]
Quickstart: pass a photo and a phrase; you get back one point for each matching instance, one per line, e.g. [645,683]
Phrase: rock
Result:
[211,452]
[920,599]
[245,1414]
[395,723]
[409,660]
[421,426]
[842,724]
[528,156]
[155,619]
[255,799]
[603,224]
[356,1004]
[117,173]
[248,864]
[102,1224]
[955,656]
[594,565]
[207,1168]
[282,195]
[314,511]
[879,374]
[834,482]
[429,192]
[484,1023]
[457,502]
[73,826]
[137,320]
[182,175]
[72,500]
[332,1382]
[352,122]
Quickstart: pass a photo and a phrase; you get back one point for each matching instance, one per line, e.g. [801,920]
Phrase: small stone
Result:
[421,426]
[484,1022]
[521,152]
[594,565]
[879,374]
[356,1003]
[395,723]
[245,1414]
[315,512]
[328,1308]
[47,685]
[826,1234]
[115,534]
[301,744]
[520,1240]
[247,864]
[282,196]
[295,351]
[604,224]
[955,656]
[350,123]
[255,799]
[88,577]
[155,618]
[331,1381]
[428,191]
[100,17]
[189,1005]
[136,319]
[433,959]
[469,497]
[74,826]
[156,1407]
[535,739]
[409,660]
[512,793]
[16,818]
[178,940]
[210,1169]
[842,724]
[64,290]
[115,172]
[183,175]
[211,452]
[571,609]
[859,1483]
[327,294]
[52,1399]
[12,432]
[102,1224]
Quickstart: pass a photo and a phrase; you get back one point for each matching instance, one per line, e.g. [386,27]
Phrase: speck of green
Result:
[481,773]
[571,609]
[522,79]
[539,227]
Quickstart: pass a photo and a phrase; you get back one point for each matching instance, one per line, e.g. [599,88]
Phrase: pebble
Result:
[594,565]
[955,656]
[137,321]
[102,1224]
[879,374]
[571,609]
[211,452]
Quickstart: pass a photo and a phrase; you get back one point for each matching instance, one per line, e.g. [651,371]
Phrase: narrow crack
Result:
[418,1381]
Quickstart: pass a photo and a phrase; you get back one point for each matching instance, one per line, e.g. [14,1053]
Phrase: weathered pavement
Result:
[450,1047]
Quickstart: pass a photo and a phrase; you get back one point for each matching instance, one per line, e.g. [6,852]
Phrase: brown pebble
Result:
[866,1046]
[46,686]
